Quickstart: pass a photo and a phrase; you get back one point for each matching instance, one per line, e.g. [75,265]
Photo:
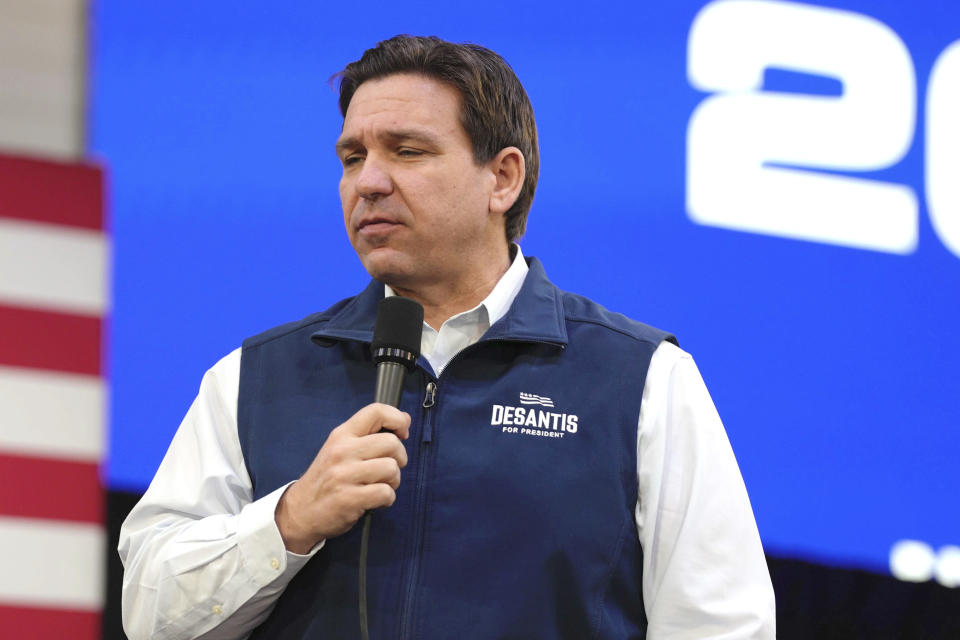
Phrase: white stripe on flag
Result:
[51,564]
[53,267]
[52,415]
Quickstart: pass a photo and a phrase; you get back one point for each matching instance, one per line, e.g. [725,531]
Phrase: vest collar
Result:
[536,314]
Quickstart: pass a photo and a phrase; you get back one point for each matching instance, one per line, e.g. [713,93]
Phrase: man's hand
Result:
[357,469]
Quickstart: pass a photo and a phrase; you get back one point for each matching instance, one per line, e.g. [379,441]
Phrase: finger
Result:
[375,496]
[374,417]
[381,445]
[381,470]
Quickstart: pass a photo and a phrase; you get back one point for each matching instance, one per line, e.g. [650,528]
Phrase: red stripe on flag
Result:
[43,191]
[49,340]
[48,624]
[50,489]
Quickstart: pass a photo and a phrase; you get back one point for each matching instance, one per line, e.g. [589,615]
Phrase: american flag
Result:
[54,263]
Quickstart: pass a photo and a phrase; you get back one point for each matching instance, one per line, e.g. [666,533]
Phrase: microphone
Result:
[396,345]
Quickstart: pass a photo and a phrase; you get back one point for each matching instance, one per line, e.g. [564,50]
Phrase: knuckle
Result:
[377,409]
[333,450]
[388,495]
[333,457]
[338,474]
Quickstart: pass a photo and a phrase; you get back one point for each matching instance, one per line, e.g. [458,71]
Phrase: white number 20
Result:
[759,161]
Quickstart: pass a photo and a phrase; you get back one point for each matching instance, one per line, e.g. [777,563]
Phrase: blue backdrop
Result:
[831,365]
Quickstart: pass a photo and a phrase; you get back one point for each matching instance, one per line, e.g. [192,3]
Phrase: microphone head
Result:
[396,338]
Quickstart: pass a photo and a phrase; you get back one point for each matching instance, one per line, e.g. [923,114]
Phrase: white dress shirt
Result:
[203,559]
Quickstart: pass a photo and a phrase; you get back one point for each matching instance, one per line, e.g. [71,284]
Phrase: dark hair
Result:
[496,110]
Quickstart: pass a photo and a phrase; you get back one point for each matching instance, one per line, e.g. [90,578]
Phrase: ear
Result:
[509,170]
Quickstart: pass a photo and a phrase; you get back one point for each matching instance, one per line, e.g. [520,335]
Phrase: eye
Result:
[407,152]
[351,159]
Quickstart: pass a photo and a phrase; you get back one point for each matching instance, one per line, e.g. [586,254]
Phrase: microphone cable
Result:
[362,578]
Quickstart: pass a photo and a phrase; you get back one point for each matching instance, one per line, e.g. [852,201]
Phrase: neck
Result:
[444,299]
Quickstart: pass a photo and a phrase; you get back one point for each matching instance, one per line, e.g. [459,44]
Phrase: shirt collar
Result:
[536,314]
[499,300]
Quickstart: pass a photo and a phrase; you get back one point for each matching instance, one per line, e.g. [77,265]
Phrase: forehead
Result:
[400,101]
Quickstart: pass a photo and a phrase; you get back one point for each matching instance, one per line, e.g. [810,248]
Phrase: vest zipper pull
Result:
[430,398]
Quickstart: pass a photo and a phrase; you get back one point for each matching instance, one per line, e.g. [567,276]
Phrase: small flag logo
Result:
[532,398]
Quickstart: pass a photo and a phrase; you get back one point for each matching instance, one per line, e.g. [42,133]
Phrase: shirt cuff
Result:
[263,553]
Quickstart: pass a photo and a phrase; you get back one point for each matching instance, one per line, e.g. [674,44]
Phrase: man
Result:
[555,470]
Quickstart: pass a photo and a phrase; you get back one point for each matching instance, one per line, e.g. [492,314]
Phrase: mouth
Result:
[376,225]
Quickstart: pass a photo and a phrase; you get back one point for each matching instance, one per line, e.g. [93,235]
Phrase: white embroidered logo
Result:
[532,420]
[532,398]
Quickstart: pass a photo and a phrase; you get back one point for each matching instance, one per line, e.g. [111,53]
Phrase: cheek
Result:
[446,190]
[472,184]
[347,200]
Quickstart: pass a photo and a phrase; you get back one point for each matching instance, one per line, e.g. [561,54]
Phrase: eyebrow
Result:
[393,136]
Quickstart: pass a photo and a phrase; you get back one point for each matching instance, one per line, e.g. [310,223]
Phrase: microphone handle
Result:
[389,383]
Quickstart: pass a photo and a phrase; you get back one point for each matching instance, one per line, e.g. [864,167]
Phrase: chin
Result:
[389,267]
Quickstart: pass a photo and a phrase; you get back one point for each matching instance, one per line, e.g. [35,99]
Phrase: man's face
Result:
[415,204]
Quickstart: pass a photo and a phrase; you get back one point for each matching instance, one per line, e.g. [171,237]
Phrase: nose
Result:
[373,181]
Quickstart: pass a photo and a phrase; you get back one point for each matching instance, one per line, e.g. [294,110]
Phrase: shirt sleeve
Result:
[704,571]
[200,556]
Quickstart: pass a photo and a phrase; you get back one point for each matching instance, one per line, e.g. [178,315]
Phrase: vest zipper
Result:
[420,508]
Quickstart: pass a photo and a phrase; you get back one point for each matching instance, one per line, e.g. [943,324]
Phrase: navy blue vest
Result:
[515,515]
